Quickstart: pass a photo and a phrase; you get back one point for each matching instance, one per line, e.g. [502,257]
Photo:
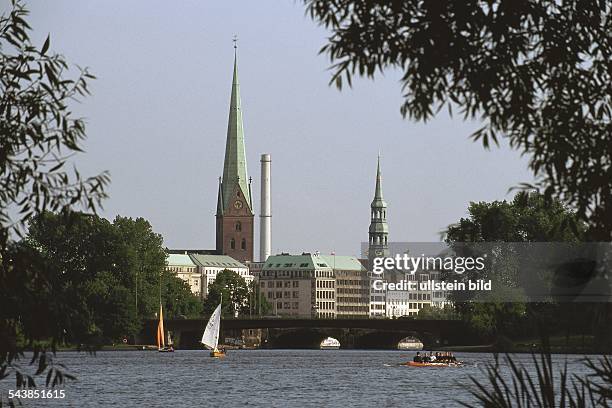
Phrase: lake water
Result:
[267,378]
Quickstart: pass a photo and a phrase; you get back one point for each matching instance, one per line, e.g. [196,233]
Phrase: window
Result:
[296,284]
[270,284]
[238,226]
[232,243]
[296,294]
[243,244]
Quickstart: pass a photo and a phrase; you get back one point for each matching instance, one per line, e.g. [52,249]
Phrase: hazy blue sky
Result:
[158,116]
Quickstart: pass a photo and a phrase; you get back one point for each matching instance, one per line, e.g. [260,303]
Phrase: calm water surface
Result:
[267,378]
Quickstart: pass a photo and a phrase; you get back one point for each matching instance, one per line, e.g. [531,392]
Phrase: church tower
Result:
[234,201]
[379,230]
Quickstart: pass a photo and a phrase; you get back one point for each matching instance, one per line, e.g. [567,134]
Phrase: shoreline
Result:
[484,348]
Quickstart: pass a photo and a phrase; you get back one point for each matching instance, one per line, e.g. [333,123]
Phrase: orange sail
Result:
[160,329]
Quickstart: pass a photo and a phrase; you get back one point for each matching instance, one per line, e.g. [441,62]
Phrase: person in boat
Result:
[417,358]
[432,357]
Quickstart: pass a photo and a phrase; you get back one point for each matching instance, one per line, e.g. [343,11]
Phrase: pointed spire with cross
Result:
[235,176]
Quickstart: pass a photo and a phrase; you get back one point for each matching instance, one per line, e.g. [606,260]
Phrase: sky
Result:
[157,121]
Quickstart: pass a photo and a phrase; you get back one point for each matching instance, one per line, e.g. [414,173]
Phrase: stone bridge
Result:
[308,333]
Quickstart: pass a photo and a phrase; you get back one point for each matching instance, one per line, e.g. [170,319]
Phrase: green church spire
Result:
[235,166]
[379,230]
[378,194]
[220,198]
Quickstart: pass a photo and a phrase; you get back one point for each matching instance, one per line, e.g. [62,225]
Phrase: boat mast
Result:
[161,319]
[160,286]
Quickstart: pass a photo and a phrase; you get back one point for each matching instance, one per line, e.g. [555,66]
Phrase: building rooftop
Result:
[221,261]
[313,261]
[343,262]
[192,251]
[304,261]
[179,260]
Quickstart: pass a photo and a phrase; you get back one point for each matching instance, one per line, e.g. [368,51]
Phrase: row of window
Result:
[348,273]
[325,305]
[412,296]
[352,308]
[378,240]
[361,282]
[376,214]
[287,305]
[326,284]
[180,269]
[397,309]
[286,274]
[278,294]
[325,294]
[280,284]
[351,300]
[296,274]
[289,265]
[243,244]
[353,291]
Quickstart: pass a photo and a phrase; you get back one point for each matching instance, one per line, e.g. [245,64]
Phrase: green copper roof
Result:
[312,261]
[220,198]
[179,260]
[343,262]
[219,261]
[304,261]
[378,201]
[235,165]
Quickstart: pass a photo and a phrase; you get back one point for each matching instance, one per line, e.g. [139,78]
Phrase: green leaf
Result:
[45,46]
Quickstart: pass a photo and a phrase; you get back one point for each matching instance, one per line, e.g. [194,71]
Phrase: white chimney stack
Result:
[265,224]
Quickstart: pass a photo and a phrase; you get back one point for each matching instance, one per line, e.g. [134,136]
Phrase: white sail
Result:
[210,338]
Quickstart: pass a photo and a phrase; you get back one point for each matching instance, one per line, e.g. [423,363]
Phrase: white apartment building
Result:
[200,271]
[210,265]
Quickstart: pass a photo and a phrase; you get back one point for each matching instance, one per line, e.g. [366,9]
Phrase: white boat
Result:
[410,343]
[330,344]
[210,338]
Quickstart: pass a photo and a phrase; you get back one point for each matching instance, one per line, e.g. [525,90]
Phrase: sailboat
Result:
[161,345]
[210,338]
